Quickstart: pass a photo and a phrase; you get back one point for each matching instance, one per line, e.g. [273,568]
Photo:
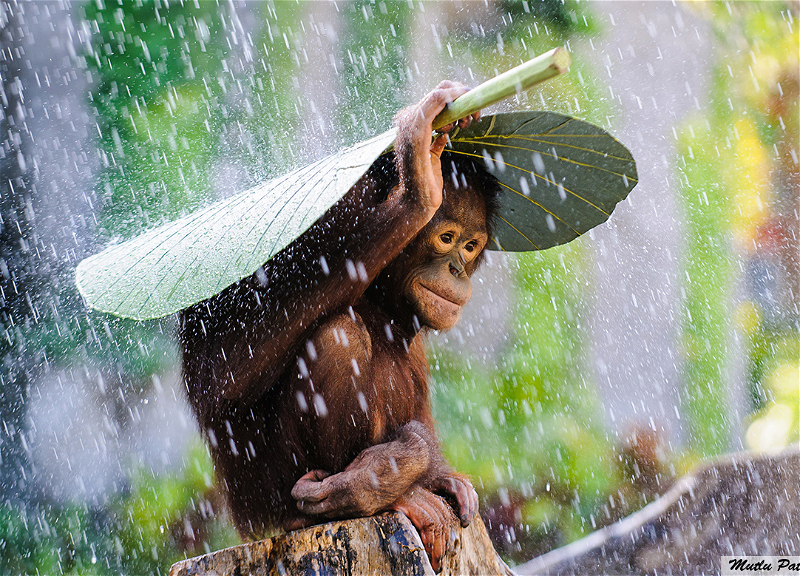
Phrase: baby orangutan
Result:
[310,377]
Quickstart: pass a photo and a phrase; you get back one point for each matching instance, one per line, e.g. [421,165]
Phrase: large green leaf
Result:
[560,177]
[191,259]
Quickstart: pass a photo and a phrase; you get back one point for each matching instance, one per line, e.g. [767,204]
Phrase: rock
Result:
[743,504]
[385,544]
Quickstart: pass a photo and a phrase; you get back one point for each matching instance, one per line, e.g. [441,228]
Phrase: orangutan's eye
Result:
[471,246]
[447,237]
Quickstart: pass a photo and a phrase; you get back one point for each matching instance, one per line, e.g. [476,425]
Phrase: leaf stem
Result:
[514,81]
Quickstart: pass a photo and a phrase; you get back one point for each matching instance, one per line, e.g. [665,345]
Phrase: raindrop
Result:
[488,161]
[362,272]
[301,402]
[312,351]
[538,163]
[551,223]
[523,184]
[456,183]
[301,365]
[340,337]
[498,159]
[320,406]
[351,270]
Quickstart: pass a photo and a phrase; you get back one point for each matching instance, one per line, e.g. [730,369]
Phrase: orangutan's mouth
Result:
[444,304]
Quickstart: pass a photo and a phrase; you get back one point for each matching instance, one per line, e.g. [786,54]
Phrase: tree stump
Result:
[385,544]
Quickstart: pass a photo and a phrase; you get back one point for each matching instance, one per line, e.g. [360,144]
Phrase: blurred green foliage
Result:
[530,430]
[376,41]
[709,269]
[735,164]
[156,73]
[144,530]
[156,78]
[170,517]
